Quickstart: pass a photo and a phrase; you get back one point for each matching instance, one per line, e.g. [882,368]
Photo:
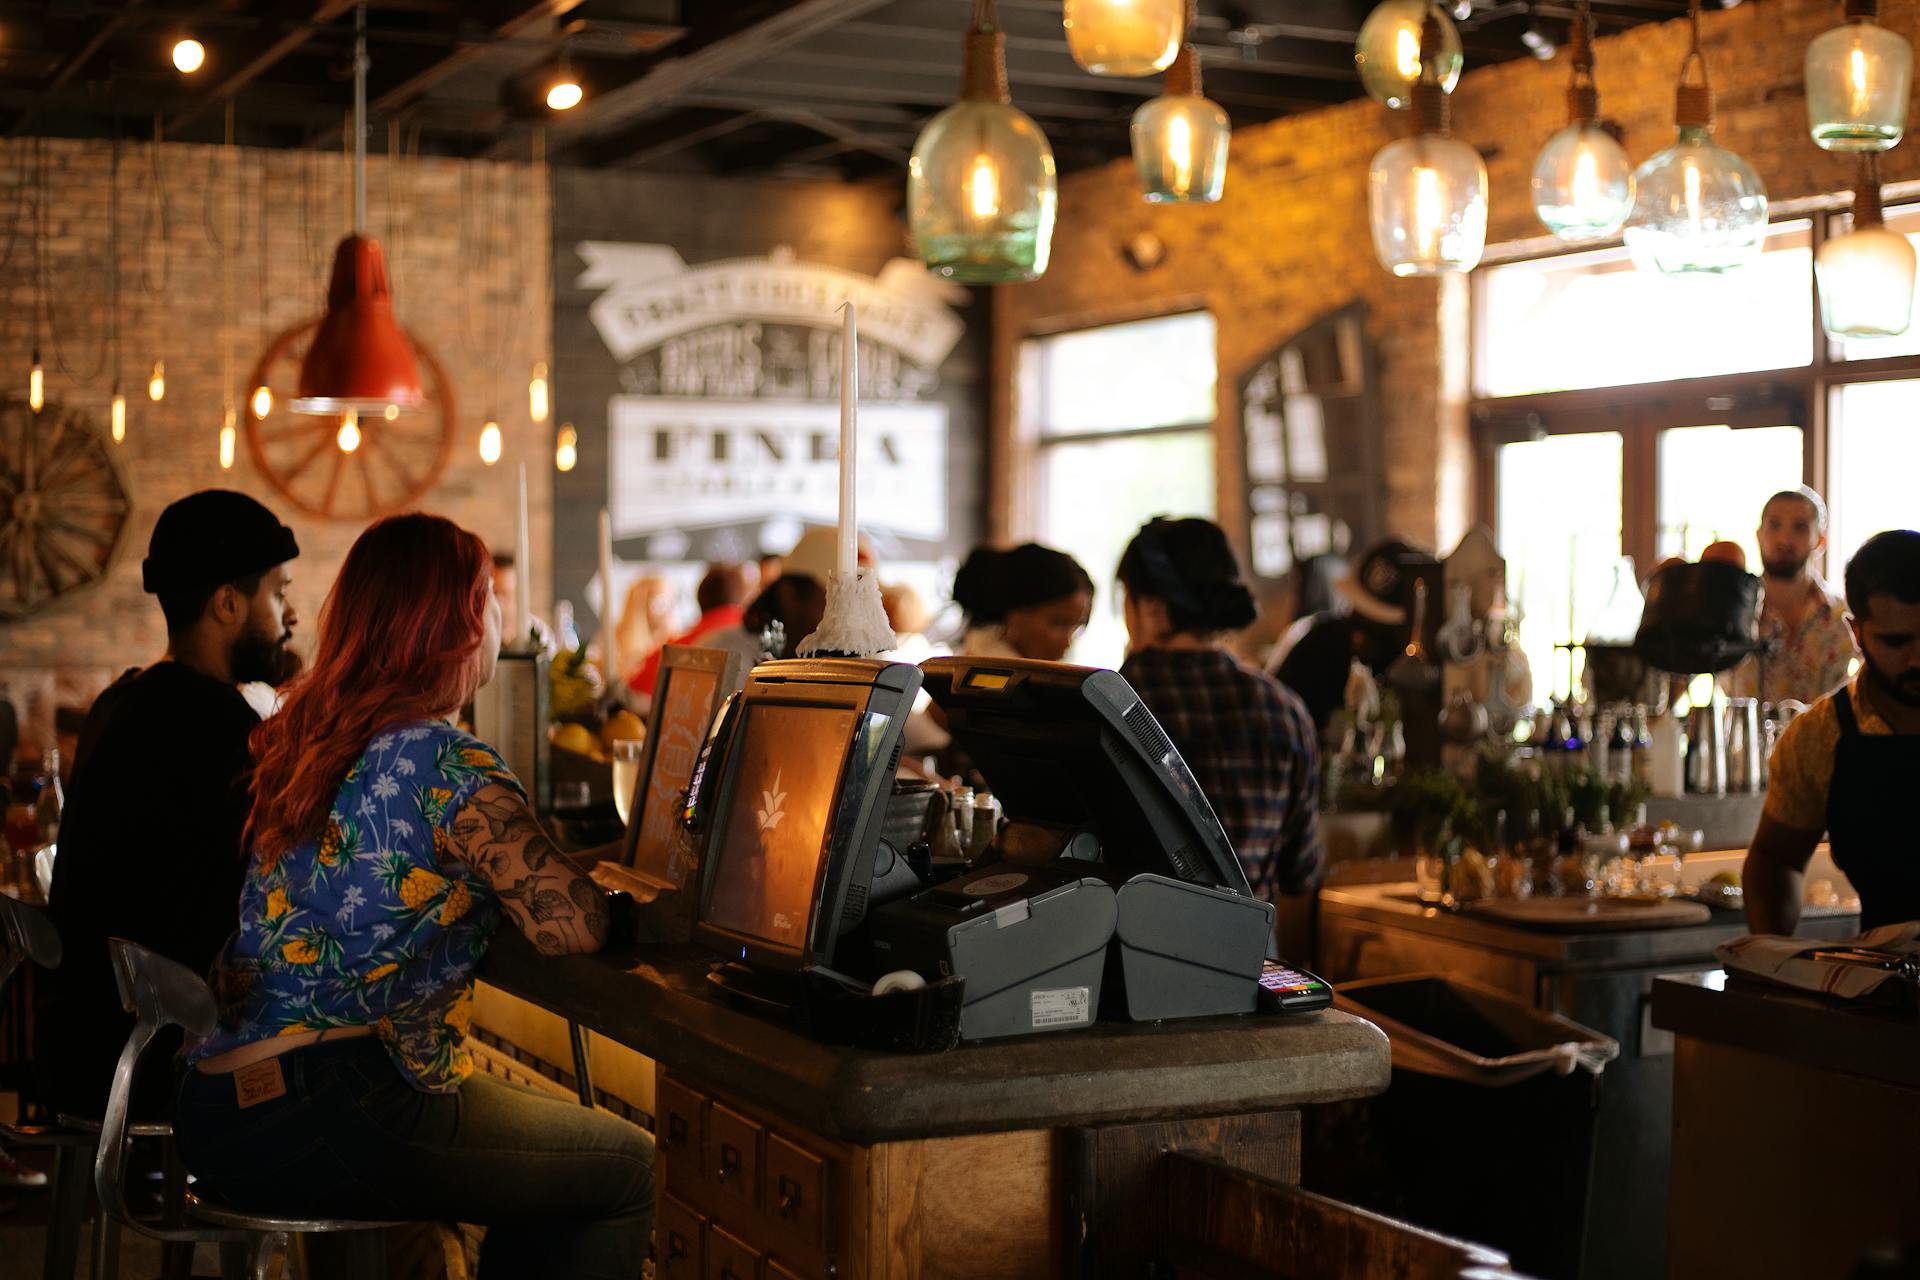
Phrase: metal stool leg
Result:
[176,1256]
[582,1075]
[106,1247]
[71,1166]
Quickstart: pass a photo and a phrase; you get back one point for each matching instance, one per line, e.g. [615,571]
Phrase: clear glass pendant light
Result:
[1582,180]
[1697,207]
[1388,50]
[1866,276]
[1180,140]
[1858,79]
[1427,193]
[1125,37]
[981,189]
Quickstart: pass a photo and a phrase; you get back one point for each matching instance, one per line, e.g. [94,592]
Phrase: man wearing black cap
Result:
[1372,630]
[150,839]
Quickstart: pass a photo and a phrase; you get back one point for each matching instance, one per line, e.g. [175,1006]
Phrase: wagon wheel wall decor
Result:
[63,505]
[390,467]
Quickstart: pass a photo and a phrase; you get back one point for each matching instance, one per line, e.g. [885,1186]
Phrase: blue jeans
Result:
[562,1190]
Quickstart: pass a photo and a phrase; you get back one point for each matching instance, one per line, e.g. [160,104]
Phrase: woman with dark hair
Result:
[1029,602]
[385,845]
[1246,737]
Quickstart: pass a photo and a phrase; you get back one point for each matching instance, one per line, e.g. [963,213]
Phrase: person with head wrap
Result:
[1364,629]
[150,844]
[1247,738]
[1027,602]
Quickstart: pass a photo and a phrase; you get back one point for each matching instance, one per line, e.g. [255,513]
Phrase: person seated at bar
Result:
[385,846]
[795,598]
[506,586]
[646,620]
[1247,738]
[1027,602]
[1371,629]
[721,596]
[1847,767]
[150,846]
[1804,617]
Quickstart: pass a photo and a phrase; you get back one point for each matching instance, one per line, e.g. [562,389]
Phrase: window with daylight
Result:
[1120,418]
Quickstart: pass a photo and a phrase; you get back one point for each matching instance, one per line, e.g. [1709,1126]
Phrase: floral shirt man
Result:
[1811,658]
[373,923]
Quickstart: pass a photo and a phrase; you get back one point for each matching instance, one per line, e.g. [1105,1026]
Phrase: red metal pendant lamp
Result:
[360,360]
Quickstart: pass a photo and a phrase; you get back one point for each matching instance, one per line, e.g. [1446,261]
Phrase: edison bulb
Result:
[537,402]
[157,383]
[261,402]
[565,95]
[189,56]
[1583,184]
[1697,208]
[1859,77]
[1124,37]
[1427,203]
[566,448]
[36,385]
[981,194]
[227,438]
[490,443]
[1387,51]
[348,437]
[117,415]
[1180,148]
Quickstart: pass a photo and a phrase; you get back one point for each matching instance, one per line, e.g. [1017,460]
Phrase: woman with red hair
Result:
[385,844]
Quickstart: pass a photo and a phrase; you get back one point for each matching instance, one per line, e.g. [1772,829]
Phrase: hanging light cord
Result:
[1693,103]
[158,214]
[360,118]
[47,319]
[1583,96]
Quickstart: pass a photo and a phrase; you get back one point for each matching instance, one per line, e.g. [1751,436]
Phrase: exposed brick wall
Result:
[1290,240]
[453,232]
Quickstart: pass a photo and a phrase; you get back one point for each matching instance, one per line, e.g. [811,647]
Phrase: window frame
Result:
[1640,411]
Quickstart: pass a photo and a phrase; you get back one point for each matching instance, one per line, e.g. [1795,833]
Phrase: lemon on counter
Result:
[622,725]
[576,738]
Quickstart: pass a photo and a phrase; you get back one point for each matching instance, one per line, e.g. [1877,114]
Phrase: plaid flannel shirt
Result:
[1252,748]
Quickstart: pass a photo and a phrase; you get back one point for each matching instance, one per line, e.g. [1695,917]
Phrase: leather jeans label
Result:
[260,1082]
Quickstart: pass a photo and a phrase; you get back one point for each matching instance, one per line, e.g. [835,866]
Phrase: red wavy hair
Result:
[400,639]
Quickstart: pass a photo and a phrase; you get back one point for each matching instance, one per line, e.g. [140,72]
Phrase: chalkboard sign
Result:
[1310,428]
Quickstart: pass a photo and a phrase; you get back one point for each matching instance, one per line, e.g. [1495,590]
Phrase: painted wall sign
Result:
[730,375]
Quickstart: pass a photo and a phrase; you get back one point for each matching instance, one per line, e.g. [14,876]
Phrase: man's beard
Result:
[1783,570]
[1905,690]
[265,659]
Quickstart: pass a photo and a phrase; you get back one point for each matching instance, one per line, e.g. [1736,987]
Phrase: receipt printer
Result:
[1185,950]
[1031,943]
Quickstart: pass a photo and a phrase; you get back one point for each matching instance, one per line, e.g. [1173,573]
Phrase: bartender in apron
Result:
[1849,767]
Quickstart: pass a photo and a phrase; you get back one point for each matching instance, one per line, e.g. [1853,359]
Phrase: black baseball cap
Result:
[213,536]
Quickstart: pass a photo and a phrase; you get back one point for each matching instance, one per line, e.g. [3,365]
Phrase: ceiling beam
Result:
[735,51]
[323,13]
[101,34]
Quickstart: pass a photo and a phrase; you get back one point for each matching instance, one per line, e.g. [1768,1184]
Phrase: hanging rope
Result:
[1583,96]
[1693,103]
[158,214]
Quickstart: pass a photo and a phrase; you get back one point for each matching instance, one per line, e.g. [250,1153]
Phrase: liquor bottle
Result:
[1642,745]
[1620,748]
[47,806]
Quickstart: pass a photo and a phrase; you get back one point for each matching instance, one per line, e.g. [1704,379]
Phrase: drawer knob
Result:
[789,1197]
[676,1128]
[676,1246]
[729,1162]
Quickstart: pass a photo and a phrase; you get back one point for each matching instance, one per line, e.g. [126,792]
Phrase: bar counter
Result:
[1035,1156]
[1795,1122]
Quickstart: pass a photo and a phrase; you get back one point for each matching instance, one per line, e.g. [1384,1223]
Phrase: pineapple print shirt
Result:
[375,923]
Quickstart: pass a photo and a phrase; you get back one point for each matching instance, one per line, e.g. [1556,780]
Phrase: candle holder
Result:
[854,624]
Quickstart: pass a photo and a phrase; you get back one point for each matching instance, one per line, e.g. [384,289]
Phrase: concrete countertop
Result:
[1831,1034]
[654,999]
[1398,905]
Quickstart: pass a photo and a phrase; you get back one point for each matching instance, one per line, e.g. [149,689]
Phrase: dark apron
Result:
[1873,818]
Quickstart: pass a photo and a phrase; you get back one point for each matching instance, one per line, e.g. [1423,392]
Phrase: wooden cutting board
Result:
[1585,915]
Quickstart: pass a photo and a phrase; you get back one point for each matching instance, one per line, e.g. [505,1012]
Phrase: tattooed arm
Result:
[545,892]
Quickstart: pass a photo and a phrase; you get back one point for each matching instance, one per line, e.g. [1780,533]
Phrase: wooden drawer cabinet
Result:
[730,1258]
[682,1133]
[680,1235]
[796,1189]
[733,1155]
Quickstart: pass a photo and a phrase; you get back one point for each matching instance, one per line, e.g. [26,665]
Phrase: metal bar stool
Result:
[160,993]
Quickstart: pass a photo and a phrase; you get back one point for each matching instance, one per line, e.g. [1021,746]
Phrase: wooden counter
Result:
[1795,1123]
[1038,1156]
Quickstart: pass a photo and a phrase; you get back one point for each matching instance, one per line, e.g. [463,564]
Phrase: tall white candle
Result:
[609,637]
[848,558]
[522,572]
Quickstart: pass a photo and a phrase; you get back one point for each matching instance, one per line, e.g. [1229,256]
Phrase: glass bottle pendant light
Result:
[1583,181]
[1427,193]
[1866,276]
[1697,207]
[1180,139]
[1389,47]
[1125,37]
[1858,79]
[980,184]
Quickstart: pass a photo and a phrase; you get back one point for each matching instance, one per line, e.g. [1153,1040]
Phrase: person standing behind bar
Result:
[1027,602]
[1316,661]
[386,844]
[150,839]
[1848,766]
[1247,738]
[1801,613]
